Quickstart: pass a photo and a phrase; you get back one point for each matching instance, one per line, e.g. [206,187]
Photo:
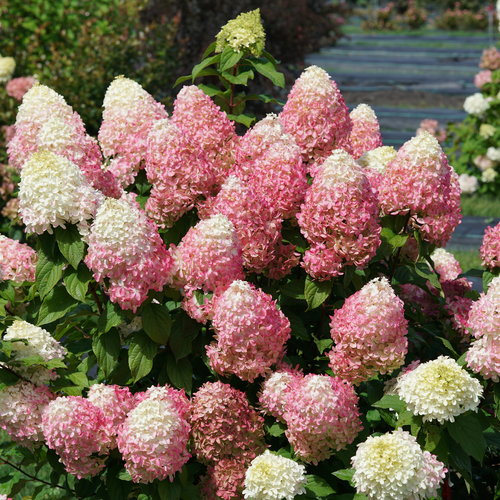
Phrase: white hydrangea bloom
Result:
[272,477]
[53,191]
[378,158]
[476,104]
[468,183]
[394,467]
[7,67]
[493,154]
[439,390]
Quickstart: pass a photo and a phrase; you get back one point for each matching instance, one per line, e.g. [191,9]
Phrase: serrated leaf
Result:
[229,58]
[277,429]
[246,120]
[79,379]
[239,79]
[184,330]
[318,486]
[316,292]
[123,475]
[344,474]
[77,283]
[156,322]
[55,305]
[203,64]
[466,431]
[267,69]
[182,79]
[70,244]
[109,318]
[141,353]
[48,273]
[390,401]
[210,90]
[106,348]
[180,373]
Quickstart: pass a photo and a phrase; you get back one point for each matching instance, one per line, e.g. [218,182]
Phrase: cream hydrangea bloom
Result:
[486,130]
[245,32]
[378,158]
[7,67]
[394,467]
[273,477]
[439,390]
[489,175]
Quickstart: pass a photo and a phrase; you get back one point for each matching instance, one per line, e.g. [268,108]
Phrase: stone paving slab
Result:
[469,234]
[453,51]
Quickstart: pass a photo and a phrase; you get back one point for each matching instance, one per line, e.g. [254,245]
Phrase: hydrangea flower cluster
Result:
[53,192]
[339,218]
[17,260]
[39,343]
[476,104]
[21,407]
[446,265]
[7,67]
[393,467]
[243,33]
[124,246]
[154,436]
[45,122]
[250,332]
[17,87]
[369,332]
[365,134]
[75,429]
[420,183]
[490,248]
[272,477]
[483,355]
[129,113]
[439,390]
[316,116]
[322,416]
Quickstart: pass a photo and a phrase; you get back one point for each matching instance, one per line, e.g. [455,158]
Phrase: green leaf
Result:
[316,292]
[239,79]
[267,69]
[393,239]
[169,491]
[203,64]
[106,347]
[79,379]
[70,244]
[209,50]
[156,322]
[323,344]
[229,58]
[297,325]
[48,273]
[182,79]
[318,486]
[109,318]
[344,474]
[210,89]
[294,288]
[141,352]
[55,305]
[77,283]
[487,279]
[390,401]
[184,331]
[180,373]
[7,377]
[276,430]
[468,433]
[246,120]
[124,476]
[433,435]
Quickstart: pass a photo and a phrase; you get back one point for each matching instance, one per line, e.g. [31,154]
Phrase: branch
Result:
[96,298]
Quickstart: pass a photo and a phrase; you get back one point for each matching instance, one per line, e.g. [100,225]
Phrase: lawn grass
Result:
[481,205]
[469,259]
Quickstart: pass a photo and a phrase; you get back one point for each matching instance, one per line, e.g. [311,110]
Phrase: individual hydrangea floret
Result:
[21,407]
[244,33]
[128,116]
[446,265]
[17,260]
[126,248]
[316,116]
[17,87]
[365,134]
[339,218]
[224,425]
[322,416]
[439,390]
[250,332]
[75,429]
[272,477]
[369,332]
[53,192]
[153,439]
[394,467]
[7,67]
[490,248]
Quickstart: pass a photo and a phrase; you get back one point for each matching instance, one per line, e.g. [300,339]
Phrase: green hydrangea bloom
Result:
[244,33]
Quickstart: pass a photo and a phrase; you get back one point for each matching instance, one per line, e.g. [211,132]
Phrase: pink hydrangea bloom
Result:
[490,249]
[446,265]
[17,260]
[75,429]
[271,164]
[339,218]
[224,425]
[316,116]
[490,59]
[250,332]
[482,78]
[179,172]
[129,113]
[272,397]
[457,305]
[322,416]
[484,322]
[258,229]
[45,122]
[124,246]
[209,256]
[153,439]
[225,479]
[21,407]
[17,87]
[420,182]
[115,402]
[432,126]
[208,129]
[365,133]
[369,332]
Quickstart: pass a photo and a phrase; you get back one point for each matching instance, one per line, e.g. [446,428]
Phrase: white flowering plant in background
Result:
[201,304]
